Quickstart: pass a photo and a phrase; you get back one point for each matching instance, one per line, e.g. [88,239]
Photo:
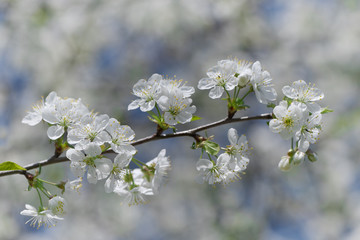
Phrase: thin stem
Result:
[51,183]
[158,110]
[47,193]
[210,158]
[137,162]
[190,133]
[236,92]
[248,92]
[227,93]
[41,203]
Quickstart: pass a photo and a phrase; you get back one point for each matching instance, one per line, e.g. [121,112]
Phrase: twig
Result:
[190,133]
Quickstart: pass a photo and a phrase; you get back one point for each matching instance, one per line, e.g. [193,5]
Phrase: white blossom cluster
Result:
[230,74]
[88,136]
[229,164]
[298,118]
[171,96]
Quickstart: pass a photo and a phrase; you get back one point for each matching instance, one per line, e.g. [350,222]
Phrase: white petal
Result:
[92,175]
[233,136]
[32,118]
[102,137]
[75,155]
[50,115]
[147,106]
[134,104]
[55,132]
[92,149]
[122,160]
[206,83]
[216,92]
[78,168]
[290,92]
[51,98]
[110,184]
[204,164]
[104,167]
[313,107]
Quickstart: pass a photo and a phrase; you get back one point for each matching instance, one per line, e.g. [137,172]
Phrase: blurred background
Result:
[96,50]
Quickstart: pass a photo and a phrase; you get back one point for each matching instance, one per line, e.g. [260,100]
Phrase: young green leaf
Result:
[10,166]
[211,147]
[194,118]
[326,110]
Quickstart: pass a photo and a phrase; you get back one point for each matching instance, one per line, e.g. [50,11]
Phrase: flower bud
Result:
[284,164]
[298,158]
[312,156]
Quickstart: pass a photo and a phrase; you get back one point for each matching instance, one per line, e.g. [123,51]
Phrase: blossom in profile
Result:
[33,118]
[262,84]
[309,132]
[236,154]
[156,170]
[58,206]
[40,217]
[243,72]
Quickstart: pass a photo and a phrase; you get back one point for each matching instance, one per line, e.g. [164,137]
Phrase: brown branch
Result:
[190,133]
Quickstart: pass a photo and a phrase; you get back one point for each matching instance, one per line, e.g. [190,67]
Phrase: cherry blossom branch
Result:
[191,133]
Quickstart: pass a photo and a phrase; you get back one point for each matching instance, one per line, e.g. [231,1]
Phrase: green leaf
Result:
[239,102]
[194,118]
[271,105]
[211,147]
[10,166]
[326,110]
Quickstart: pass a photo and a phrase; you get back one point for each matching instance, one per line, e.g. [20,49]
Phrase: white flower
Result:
[74,185]
[90,129]
[209,172]
[228,174]
[98,167]
[262,84]
[134,196]
[220,77]
[236,154]
[159,167]
[148,92]
[40,217]
[121,137]
[243,72]
[135,191]
[58,206]
[176,108]
[309,132]
[304,93]
[121,161]
[171,84]
[65,113]
[33,118]
[288,119]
